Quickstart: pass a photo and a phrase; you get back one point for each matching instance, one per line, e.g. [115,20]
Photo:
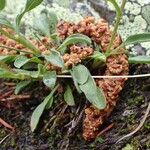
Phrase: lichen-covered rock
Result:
[136,17]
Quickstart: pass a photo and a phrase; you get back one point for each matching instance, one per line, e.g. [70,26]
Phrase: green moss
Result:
[137,100]
[148,144]
[136,143]
[147,126]
[128,147]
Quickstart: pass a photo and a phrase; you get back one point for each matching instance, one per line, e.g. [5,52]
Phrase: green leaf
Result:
[53,21]
[49,104]
[30,4]
[31,74]
[80,73]
[27,43]
[93,94]
[2,4]
[49,79]
[22,40]
[5,22]
[35,118]
[7,73]
[21,85]
[68,96]
[41,71]
[41,23]
[7,58]
[35,60]
[137,38]
[98,56]
[116,6]
[139,60]
[20,61]
[55,59]
[73,39]
[75,83]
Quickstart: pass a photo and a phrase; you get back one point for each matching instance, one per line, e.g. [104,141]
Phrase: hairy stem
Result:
[119,17]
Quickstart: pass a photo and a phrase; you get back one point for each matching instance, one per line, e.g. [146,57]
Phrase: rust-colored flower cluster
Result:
[116,65]
[77,53]
[98,31]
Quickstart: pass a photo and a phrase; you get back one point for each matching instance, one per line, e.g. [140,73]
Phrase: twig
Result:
[10,83]
[98,77]
[6,94]
[139,127]
[16,97]
[4,139]
[4,123]
[106,129]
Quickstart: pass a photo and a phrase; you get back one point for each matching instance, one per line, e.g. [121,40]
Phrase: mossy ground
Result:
[54,132]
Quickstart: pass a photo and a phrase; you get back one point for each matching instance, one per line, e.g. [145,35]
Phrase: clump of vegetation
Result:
[63,50]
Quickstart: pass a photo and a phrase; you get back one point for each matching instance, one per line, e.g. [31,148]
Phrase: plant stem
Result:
[17,50]
[22,40]
[119,17]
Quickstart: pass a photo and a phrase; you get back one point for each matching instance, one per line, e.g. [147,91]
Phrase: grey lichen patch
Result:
[132,8]
[136,18]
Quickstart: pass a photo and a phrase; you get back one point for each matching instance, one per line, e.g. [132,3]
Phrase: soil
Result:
[61,127]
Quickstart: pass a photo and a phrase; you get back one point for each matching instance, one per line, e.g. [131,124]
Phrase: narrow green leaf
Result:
[68,96]
[21,85]
[6,74]
[98,56]
[22,40]
[5,22]
[2,4]
[55,59]
[35,118]
[49,104]
[49,79]
[80,73]
[35,60]
[20,61]
[73,39]
[137,38]
[139,60]
[116,6]
[31,74]
[7,58]
[30,4]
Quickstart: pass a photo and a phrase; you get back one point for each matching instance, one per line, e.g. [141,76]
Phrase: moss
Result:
[136,100]
[136,143]
[2,133]
[147,126]
[128,147]
[148,144]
